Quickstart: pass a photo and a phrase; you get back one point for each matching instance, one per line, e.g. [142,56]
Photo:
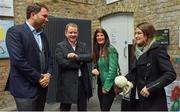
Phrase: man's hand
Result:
[44,81]
[72,56]
[95,72]
[144,92]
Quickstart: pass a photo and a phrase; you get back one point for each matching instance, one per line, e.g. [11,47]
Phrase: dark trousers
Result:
[36,103]
[132,105]
[65,107]
[105,100]
[82,99]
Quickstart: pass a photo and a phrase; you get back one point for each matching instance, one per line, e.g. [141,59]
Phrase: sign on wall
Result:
[4,26]
[162,36]
[110,1]
[6,8]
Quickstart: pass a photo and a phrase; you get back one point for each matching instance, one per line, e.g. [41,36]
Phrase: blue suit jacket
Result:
[25,69]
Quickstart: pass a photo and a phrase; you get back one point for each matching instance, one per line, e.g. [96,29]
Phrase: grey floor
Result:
[93,104]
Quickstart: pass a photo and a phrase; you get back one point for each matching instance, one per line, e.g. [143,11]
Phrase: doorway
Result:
[120,29]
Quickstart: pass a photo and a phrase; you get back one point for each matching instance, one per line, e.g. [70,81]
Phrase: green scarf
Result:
[141,50]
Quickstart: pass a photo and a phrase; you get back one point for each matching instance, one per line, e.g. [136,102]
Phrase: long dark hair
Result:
[96,46]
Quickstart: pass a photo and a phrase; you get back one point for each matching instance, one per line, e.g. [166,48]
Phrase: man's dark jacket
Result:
[68,71]
[25,67]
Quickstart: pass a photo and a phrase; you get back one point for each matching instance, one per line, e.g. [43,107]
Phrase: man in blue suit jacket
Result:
[30,60]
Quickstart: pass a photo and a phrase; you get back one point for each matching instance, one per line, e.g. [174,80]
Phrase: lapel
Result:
[143,58]
[78,47]
[68,45]
[31,37]
[43,41]
[133,64]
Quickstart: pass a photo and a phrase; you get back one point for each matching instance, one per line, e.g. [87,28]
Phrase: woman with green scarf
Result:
[151,70]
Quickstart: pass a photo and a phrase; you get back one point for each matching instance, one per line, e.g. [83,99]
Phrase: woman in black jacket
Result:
[151,70]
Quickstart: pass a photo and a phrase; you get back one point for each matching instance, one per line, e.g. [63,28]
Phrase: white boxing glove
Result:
[127,88]
[121,81]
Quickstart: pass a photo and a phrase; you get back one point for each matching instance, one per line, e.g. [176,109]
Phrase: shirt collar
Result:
[30,26]
[33,29]
[73,44]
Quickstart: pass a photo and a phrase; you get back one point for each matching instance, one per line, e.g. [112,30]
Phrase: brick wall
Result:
[77,9]
[5,97]
[162,13]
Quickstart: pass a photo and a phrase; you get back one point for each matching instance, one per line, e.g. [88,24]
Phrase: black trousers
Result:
[36,103]
[82,99]
[105,100]
[133,105]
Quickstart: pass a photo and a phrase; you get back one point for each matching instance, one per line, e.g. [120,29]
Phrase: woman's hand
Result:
[144,92]
[95,72]
[104,91]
